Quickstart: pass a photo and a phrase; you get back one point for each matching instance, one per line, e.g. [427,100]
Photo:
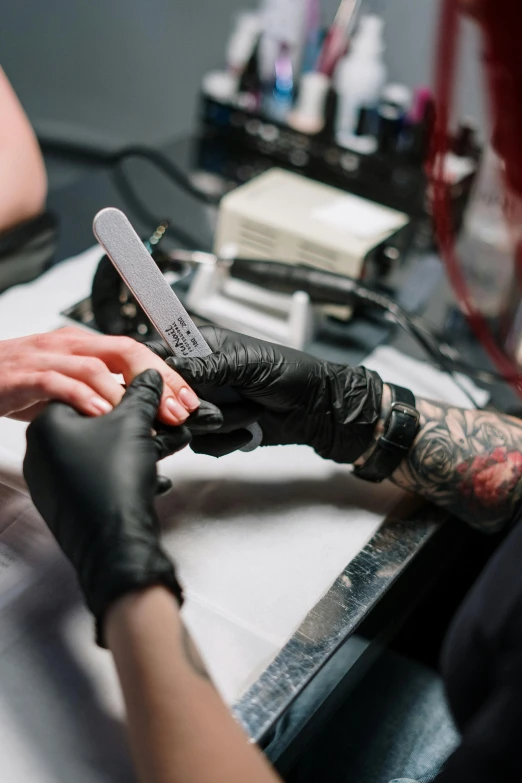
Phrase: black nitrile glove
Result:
[105,299]
[94,481]
[330,407]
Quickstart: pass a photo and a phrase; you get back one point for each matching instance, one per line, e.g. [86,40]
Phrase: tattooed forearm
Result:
[469,462]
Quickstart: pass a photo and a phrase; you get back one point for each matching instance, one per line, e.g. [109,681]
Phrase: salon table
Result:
[296,574]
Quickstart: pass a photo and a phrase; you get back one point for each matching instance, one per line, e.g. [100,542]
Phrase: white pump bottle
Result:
[360,77]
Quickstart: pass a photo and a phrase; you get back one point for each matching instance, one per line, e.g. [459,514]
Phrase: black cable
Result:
[129,195]
[330,288]
[443,363]
[114,160]
[453,356]
[169,169]
[106,158]
[397,314]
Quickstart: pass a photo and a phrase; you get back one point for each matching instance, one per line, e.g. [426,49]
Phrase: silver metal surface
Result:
[335,618]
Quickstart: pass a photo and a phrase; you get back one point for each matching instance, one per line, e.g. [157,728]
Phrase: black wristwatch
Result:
[400,430]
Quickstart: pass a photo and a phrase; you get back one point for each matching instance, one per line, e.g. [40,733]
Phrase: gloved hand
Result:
[300,399]
[94,480]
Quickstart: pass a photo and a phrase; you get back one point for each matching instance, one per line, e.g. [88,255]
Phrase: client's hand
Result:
[75,366]
[94,481]
[299,399]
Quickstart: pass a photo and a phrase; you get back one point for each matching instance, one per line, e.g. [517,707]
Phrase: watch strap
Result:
[400,430]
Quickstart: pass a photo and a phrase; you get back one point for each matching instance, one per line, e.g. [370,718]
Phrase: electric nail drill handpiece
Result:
[140,273]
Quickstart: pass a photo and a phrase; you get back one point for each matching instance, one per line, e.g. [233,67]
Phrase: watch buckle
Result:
[407,410]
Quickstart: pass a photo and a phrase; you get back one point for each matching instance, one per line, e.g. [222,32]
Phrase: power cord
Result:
[129,195]
[329,288]
[420,334]
[105,158]
[115,160]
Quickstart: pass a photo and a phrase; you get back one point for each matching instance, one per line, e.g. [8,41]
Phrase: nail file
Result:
[140,273]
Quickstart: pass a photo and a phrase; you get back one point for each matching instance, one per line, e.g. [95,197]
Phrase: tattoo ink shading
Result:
[469,462]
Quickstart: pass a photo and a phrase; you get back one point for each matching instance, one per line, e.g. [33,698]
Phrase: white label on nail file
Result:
[129,255]
[138,269]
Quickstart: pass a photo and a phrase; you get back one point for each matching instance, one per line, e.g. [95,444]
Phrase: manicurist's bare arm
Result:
[180,730]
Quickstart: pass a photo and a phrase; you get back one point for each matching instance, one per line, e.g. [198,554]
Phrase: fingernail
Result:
[100,405]
[177,410]
[189,399]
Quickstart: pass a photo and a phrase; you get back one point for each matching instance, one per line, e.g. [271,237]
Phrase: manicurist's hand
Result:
[295,397]
[94,480]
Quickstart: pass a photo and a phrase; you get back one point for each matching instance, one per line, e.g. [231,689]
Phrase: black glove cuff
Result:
[130,581]
[355,405]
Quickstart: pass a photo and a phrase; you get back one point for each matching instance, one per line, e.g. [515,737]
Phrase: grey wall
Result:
[411,34]
[111,71]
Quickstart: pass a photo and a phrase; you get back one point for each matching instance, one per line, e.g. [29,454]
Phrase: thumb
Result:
[214,370]
[143,397]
